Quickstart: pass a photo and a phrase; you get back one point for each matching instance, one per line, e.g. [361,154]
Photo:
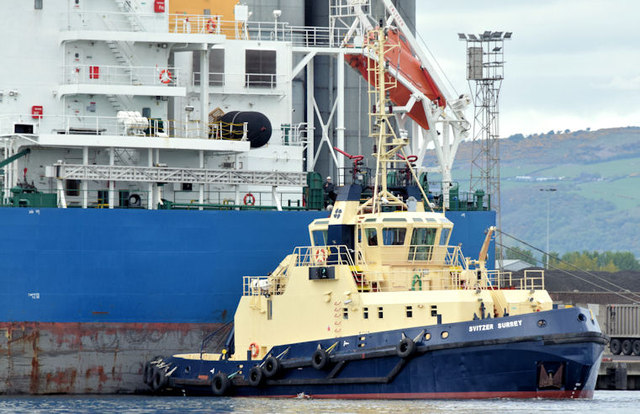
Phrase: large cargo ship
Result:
[145,142]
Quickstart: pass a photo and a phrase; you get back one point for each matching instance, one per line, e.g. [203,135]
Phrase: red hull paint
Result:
[81,358]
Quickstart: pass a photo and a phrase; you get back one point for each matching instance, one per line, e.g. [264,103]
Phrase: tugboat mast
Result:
[388,145]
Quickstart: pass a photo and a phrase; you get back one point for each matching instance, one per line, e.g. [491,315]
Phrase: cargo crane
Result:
[420,93]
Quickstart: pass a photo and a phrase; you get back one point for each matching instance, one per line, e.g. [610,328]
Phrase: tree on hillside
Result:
[595,261]
[516,253]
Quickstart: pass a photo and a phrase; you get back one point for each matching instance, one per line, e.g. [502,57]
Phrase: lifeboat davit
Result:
[404,60]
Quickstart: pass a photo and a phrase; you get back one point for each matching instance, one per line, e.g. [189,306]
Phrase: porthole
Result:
[444,334]
[427,336]
[187,369]
[581,317]
[542,323]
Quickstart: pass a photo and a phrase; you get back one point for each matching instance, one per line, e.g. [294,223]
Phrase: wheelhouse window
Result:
[444,237]
[372,237]
[422,241]
[319,237]
[393,236]
[260,68]
[423,236]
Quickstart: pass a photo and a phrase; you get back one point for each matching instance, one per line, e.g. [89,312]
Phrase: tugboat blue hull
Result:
[553,354]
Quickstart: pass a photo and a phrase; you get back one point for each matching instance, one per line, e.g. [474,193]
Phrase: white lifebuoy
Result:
[320,256]
[165,76]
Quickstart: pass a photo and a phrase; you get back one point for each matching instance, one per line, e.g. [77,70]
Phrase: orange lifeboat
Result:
[404,60]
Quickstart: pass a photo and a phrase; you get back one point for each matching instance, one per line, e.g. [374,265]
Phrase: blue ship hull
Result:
[89,292]
[513,357]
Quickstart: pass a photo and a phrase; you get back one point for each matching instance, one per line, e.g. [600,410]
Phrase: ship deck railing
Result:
[414,280]
[122,75]
[411,255]
[245,82]
[307,256]
[181,23]
[138,198]
[530,279]
[28,124]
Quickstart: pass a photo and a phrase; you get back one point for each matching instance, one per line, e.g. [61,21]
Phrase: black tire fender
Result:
[271,367]
[159,379]
[255,376]
[220,384]
[319,359]
[405,347]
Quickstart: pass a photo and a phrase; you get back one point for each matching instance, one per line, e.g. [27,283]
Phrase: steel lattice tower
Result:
[485,72]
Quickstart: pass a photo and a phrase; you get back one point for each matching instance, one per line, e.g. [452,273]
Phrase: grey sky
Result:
[571,63]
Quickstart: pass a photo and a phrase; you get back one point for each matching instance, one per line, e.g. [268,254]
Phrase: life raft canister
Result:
[166,76]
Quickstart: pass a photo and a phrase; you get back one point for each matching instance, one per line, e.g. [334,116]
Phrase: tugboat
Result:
[380,306]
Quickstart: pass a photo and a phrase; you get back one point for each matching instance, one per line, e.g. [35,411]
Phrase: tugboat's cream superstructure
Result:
[379,306]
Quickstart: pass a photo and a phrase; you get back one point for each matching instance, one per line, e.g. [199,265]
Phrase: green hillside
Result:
[596,174]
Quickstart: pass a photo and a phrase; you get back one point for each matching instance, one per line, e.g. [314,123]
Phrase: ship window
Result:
[422,241]
[409,311]
[216,67]
[260,68]
[103,198]
[187,186]
[345,313]
[434,310]
[444,236]
[37,5]
[365,313]
[73,187]
[319,237]
[372,237]
[393,236]
[123,198]
[380,312]
[427,336]
[423,236]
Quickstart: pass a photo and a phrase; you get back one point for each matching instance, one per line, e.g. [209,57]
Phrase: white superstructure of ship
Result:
[108,96]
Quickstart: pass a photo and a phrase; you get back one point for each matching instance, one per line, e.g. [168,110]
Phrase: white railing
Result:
[295,135]
[113,21]
[239,80]
[215,79]
[421,254]
[323,256]
[195,24]
[529,280]
[308,36]
[121,75]
[103,125]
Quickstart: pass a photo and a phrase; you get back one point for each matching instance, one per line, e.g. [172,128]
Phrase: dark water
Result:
[603,402]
